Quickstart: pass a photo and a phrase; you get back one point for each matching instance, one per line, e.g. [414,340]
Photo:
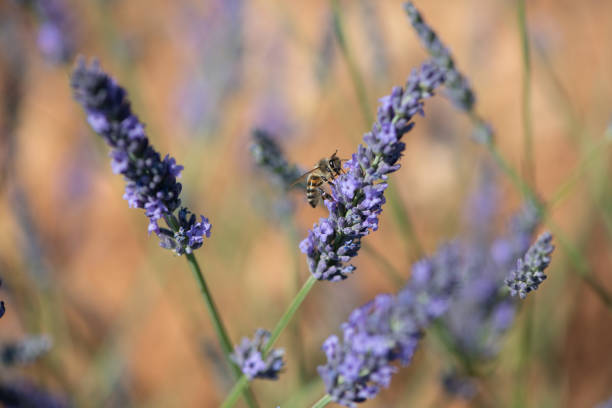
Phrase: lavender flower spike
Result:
[248,355]
[387,330]
[268,154]
[150,180]
[529,272]
[358,194]
[457,86]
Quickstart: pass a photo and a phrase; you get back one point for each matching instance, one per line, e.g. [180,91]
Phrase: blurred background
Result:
[123,320]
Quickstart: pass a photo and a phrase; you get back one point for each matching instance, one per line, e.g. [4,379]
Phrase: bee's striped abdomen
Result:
[313,189]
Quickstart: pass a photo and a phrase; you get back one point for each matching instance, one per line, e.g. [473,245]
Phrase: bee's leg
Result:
[325,195]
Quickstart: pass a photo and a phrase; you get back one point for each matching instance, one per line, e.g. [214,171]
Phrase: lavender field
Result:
[306,204]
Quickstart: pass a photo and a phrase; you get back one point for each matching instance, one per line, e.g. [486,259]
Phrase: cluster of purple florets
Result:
[387,330]
[358,195]
[249,356]
[529,271]
[150,180]
[457,86]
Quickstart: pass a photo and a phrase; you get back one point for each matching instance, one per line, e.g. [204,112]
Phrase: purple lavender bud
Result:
[457,86]
[387,330]
[150,180]
[358,195]
[25,351]
[55,33]
[529,272]
[268,155]
[24,394]
[248,355]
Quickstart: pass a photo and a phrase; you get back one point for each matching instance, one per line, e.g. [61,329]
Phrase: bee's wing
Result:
[299,179]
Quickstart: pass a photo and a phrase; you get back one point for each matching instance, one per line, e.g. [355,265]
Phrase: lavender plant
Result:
[529,271]
[150,180]
[388,330]
[248,355]
[358,195]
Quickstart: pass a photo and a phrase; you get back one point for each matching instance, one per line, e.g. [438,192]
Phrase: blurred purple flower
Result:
[22,394]
[481,311]
[377,45]
[249,357]
[217,38]
[268,155]
[529,271]
[56,31]
[387,330]
[150,180]
[358,195]
[25,351]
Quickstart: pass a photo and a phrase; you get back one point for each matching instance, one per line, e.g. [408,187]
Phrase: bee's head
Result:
[334,163]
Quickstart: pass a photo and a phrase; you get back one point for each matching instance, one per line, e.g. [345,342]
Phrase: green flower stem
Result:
[226,344]
[243,382]
[326,399]
[294,239]
[356,77]
[521,377]
[588,159]
[526,97]
[389,270]
[395,201]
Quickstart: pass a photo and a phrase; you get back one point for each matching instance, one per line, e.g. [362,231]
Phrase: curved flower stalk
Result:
[150,180]
[529,271]
[387,330]
[249,356]
[358,195]
[458,88]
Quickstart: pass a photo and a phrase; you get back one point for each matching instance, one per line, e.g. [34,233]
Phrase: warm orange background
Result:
[127,320]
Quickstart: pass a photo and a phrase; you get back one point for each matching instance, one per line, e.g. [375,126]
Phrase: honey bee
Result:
[326,170]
